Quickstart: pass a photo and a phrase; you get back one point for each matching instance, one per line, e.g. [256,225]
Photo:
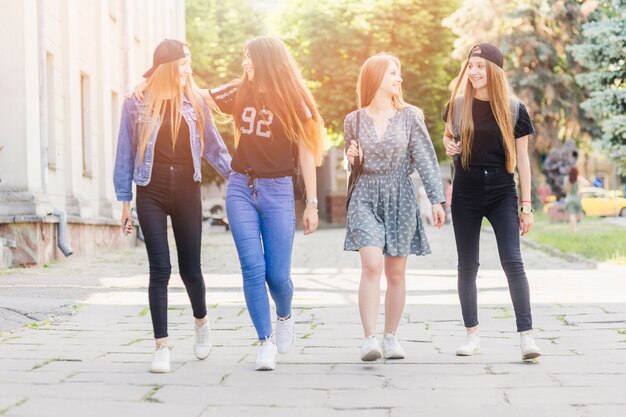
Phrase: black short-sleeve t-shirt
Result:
[264,150]
[488,149]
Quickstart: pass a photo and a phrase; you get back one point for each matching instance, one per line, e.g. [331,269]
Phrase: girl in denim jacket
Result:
[161,141]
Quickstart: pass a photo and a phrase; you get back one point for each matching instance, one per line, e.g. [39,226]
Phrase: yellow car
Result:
[596,202]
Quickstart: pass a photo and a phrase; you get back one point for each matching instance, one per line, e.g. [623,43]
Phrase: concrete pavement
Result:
[91,355]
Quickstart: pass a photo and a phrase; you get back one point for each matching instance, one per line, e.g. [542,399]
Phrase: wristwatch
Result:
[526,209]
[312,201]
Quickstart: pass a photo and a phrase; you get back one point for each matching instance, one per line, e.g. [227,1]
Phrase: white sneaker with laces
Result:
[391,347]
[285,334]
[202,347]
[266,356]
[161,361]
[370,351]
[470,347]
[529,348]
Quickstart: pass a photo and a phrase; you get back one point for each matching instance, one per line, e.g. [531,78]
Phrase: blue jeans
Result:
[262,218]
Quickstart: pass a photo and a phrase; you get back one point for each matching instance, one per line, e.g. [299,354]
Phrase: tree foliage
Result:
[603,54]
[331,40]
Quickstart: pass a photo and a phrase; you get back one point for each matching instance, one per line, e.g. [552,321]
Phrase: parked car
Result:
[595,202]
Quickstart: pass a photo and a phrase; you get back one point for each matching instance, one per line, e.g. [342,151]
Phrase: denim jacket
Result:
[129,168]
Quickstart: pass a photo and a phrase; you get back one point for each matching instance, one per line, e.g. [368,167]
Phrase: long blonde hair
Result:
[284,92]
[371,75]
[500,96]
[164,84]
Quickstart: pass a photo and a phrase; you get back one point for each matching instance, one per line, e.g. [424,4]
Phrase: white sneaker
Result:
[202,347]
[470,347]
[391,347]
[161,361]
[285,335]
[370,351]
[266,356]
[529,348]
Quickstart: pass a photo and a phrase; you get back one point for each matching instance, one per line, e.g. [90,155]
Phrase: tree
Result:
[331,40]
[602,52]
[543,70]
[216,33]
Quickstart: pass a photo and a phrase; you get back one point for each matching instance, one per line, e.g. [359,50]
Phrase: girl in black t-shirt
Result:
[276,125]
[487,134]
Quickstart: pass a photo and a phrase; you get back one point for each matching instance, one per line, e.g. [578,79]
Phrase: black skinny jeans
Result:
[488,193]
[172,191]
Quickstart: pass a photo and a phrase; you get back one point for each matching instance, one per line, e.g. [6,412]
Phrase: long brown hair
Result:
[278,85]
[500,96]
[163,85]
[370,77]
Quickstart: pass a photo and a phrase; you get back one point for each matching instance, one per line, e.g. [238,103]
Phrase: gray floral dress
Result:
[383,210]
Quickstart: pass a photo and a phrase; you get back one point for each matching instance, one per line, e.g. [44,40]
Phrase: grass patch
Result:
[306,336]
[595,240]
[506,314]
[426,326]
[143,312]
[44,363]
[241,311]
[3,411]
[37,325]
[149,396]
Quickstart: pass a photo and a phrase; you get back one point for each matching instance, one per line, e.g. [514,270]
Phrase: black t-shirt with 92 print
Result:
[488,149]
[263,146]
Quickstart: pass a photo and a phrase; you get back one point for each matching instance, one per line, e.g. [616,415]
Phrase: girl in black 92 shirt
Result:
[487,132]
[276,123]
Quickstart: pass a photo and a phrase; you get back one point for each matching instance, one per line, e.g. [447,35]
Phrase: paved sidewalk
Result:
[92,359]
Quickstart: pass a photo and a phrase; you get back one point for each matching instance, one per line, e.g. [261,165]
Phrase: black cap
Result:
[489,52]
[167,51]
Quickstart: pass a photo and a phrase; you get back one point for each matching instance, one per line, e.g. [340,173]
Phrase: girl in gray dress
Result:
[384,222]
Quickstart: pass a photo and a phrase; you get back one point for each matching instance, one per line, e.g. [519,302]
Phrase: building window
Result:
[51,117]
[85,107]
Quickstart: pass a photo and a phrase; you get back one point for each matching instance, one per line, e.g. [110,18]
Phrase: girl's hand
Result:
[138,90]
[452,148]
[439,215]
[310,219]
[353,151]
[526,222]
[126,220]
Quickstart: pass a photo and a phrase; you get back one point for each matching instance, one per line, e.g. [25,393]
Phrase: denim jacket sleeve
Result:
[126,152]
[215,151]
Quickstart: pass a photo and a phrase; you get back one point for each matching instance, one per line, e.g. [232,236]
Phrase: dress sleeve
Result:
[424,159]
[348,133]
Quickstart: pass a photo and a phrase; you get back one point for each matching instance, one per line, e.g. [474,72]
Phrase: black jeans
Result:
[488,193]
[172,191]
